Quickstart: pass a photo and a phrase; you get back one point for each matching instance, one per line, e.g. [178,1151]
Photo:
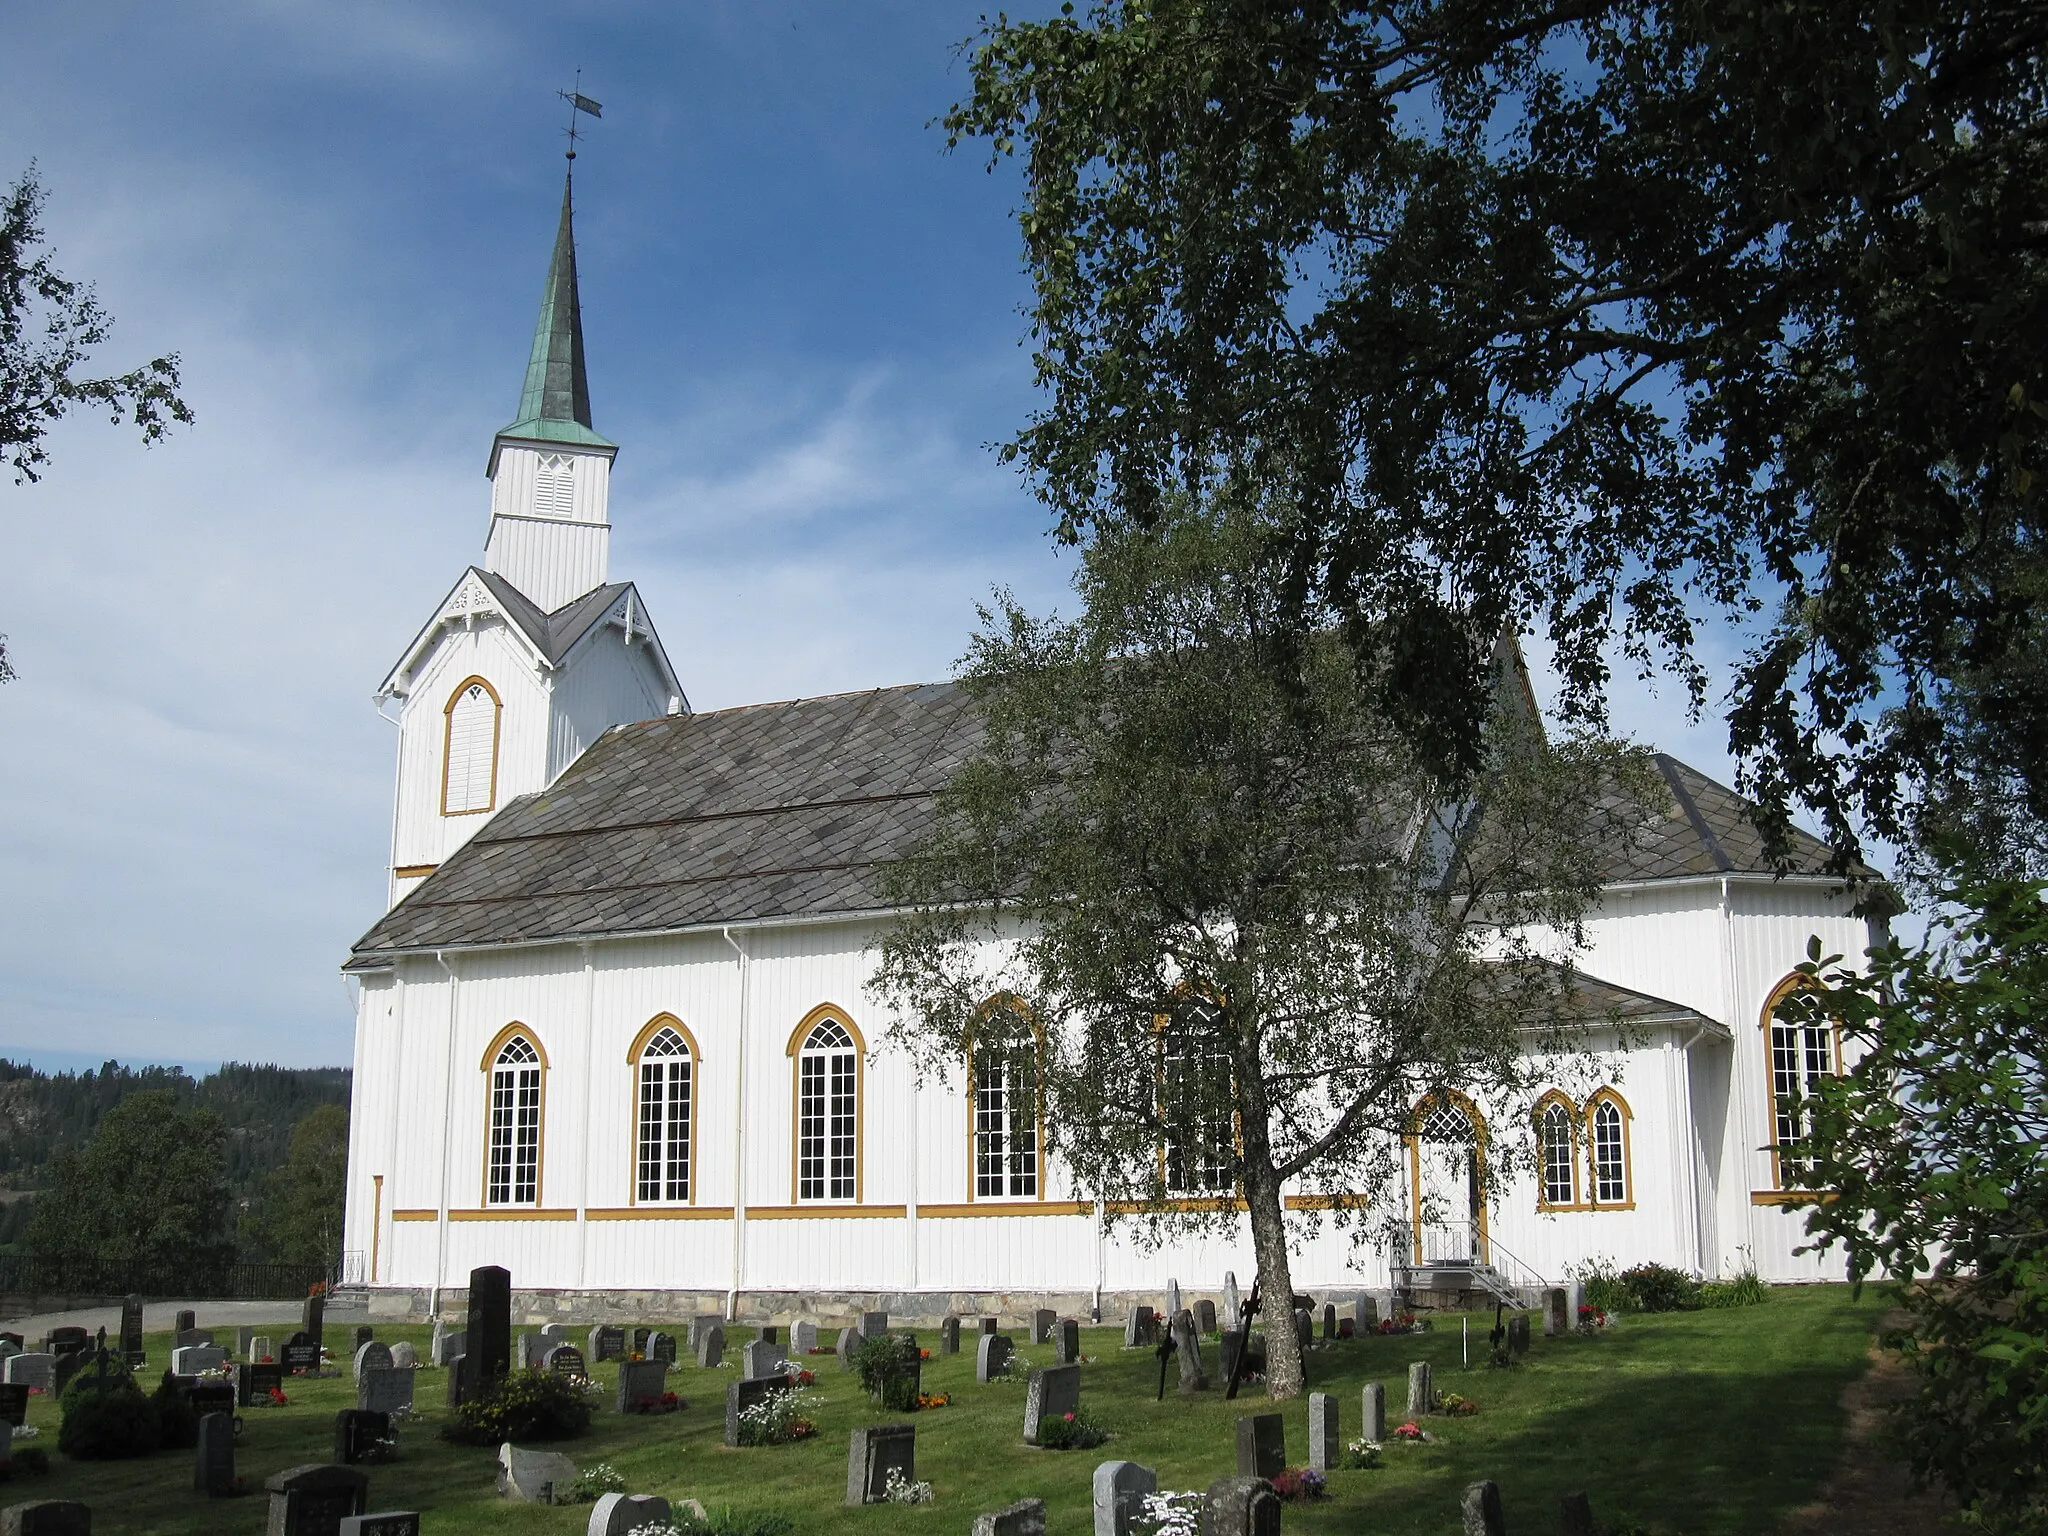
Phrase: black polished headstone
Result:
[313,1322]
[131,1329]
[489,1332]
[14,1403]
[213,1472]
[358,1435]
[313,1500]
[187,1318]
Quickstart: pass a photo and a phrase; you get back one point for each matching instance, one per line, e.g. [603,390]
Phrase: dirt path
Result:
[1869,1494]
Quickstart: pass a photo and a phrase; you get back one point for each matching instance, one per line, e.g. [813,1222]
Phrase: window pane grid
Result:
[513,1168]
[1201,1153]
[1559,1166]
[827,1140]
[1801,1055]
[1610,1166]
[1005,1122]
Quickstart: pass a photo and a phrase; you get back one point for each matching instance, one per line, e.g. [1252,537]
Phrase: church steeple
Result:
[554,405]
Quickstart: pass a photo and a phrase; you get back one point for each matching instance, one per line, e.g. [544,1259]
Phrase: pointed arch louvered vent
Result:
[554,486]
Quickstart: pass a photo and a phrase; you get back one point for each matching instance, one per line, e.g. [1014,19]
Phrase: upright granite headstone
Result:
[191,1338]
[364,1333]
[300,1355]
[1373,1413]
[992,1357]
[1233,1305]
[191,1360]
[949,1335]
[607,1341]
[46,1517]
[13,1404]
[710,1349]
[404,1357]
[747,1394]
[770,1334]
[618,1514]
[1205,1316]
[1139,1328]
[371,1356]
[1556,1312]
[1304,1327]
[565,1360]
[1120,1489]
[384,1389]
[873,1324]
[1066,1343]
[1325,1444]
[988,1324]
[458,1380]
[359,1435]
[1187,1348]
[1052,1392]
[1241,1506]
[870,1456]
[1329,1320]
[760,1358]
[213,1471]
[662,1346]
[1421,1395]
[1518,1334]
[1173,1298]
[641,1384]
[313,1320]
[1261,1445]
[1042,1319]
[533,1476]
[803,1338]
[187,1320]
[313,1500]
[1481,1508]
[446,1345]
[1365,1314]
[699,1323]
[849,1341]
[131,1330]
[245,1338]
[1026,1517]
[260,1349]
[487,1345]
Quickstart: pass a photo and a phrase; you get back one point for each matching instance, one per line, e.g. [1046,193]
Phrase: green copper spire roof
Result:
[555,404]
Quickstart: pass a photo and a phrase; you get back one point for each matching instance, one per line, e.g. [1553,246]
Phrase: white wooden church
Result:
[613,1032]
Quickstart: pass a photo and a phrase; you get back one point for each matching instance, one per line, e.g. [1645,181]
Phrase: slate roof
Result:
[790,810]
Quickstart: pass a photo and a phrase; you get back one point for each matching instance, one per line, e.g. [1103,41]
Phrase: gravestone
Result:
[187,1338]
[1261,1445]
[260,1349]
[988,1324]
[1241,1506]
[698,1323]
[803,1338]
[533,1476]
[617,1514]
[14,1404]
[565,1360]
[1066,1344]
[404,1357]
[359,1435]
[1205,1316]
[300,1355]
[71,1340]
[1172,1298]
[1233,1306]
[47,1517]
[1329,1320]
[1373,1413]
[870,1456]
[1120,1489]
[213,1471]
[1421,1395]
[1042,1319]
[760,1358]
[1304,1327]
[710,1349]
[263,1378]
[552,1334]
[662,1346]
[313,1320]
[607,1341]
[873,1324]
[458,1382]
[487,1345]
[1026,1517]
[383,1522]
[13,1340]
[949,1335]
[1138,1328]
[1052,1392]
[991,1357]
[1556,1316]
[29,1369]
[384,1389]
[1518,1334]
[849,1340]
[66,1367]
[750,1393]
[1325,1446]
[1187,1348]
[523,1355]
[7,1349]
[641,1383]
[187,1320]
[1481,1508]
[245,1392]
[1365,1313]
[131,1330]
[770,1334]
[194,1358]
[448,1343]
[1575,1516]
[370,1356]
[313,1500]
[364,1333]
[244,1338]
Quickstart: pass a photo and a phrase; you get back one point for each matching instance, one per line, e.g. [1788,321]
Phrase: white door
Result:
[1445,1187]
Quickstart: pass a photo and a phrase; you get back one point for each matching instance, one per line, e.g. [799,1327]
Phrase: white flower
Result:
[900,1491]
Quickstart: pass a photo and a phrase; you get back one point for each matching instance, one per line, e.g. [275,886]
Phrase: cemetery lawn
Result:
[1702,1423]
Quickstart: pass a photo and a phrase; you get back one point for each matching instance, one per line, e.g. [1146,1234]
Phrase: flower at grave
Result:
[1457,1404]
[900,1490]
[1409,1431]
[933,1399]
[277,1398]
[924,1354]
[1172,1513]
[805,1378]
[1363,1455]
[1298,1486]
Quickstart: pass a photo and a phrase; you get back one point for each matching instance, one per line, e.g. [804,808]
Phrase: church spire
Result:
[554,405]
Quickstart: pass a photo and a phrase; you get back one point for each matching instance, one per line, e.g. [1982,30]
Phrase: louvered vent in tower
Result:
[554,489]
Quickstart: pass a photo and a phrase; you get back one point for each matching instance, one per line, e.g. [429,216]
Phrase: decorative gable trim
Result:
[470,600]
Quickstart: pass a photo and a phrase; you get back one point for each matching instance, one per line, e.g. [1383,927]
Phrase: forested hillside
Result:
[42,1115]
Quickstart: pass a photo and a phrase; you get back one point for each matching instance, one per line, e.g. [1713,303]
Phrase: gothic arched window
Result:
[512,1174]
[1557,1142]
[666,1066]
[1608,1117]
[1802,1053]
[1003,1081]
[827,1109]
[1196,1105]
[469,765]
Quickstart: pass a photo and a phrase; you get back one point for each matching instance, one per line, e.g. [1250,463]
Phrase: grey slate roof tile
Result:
[792,810]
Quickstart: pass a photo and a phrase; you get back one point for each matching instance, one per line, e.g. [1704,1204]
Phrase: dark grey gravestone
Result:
[358,1435]
[662,1346]
[621,1514]
[1329,1320]
[245,1392]
[1120,1489]
[313,1500]
[870,1456]
[244,1339]
[1325,1444]
[698,1323]
[607,1341]
[1373,1403]
[1421,1395]
[264,1379]
[385,1389]
[988,1324]
[770,1335]
[992,1357]
[1205,1316]
[313,1321]
[47,1517]
[1261,1445]
[385,1522]
[487,1349]
[1042,1319]
[1241,1506]
[1556,1313]
[564,1360]
[1026,1517]
[33,1369]
[849,1338]
[873,1324]
[760,1357]
[213,1470]
[1052,1392]
[710,1349]
[300,1357]
[641,1382]
[1365,1314]
[742,1395]
[458,1380]
[1304,1328]
[1518,1334]
[371,1356]
[14,1403]
[1481,1508]
[364,1333]
[949,1335]
[1066,1345]
[1187,1347]
[187,1320]
[1575,1516]
[448,1343]
[131,1329]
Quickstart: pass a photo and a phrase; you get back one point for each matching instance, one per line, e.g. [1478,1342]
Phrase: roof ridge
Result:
[1667,764]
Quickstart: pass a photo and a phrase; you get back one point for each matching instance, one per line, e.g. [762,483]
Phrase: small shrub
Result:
[111,1425]
[1070,1432]
[1660,1288]
[594,1484]
[1600,1287]
[881,1362]
[1745,1290]
[527,1405]
[31,1461]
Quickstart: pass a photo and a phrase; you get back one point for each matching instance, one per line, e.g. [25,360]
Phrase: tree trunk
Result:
[1285,1375]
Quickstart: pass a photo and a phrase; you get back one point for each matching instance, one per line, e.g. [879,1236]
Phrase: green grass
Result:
[1699,1423]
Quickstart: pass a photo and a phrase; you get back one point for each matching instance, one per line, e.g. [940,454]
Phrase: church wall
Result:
[603,683]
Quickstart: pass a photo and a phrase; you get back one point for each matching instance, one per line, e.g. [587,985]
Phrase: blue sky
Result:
[802,325]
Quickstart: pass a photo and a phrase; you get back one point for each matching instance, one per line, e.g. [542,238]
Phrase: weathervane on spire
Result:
[578,102]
